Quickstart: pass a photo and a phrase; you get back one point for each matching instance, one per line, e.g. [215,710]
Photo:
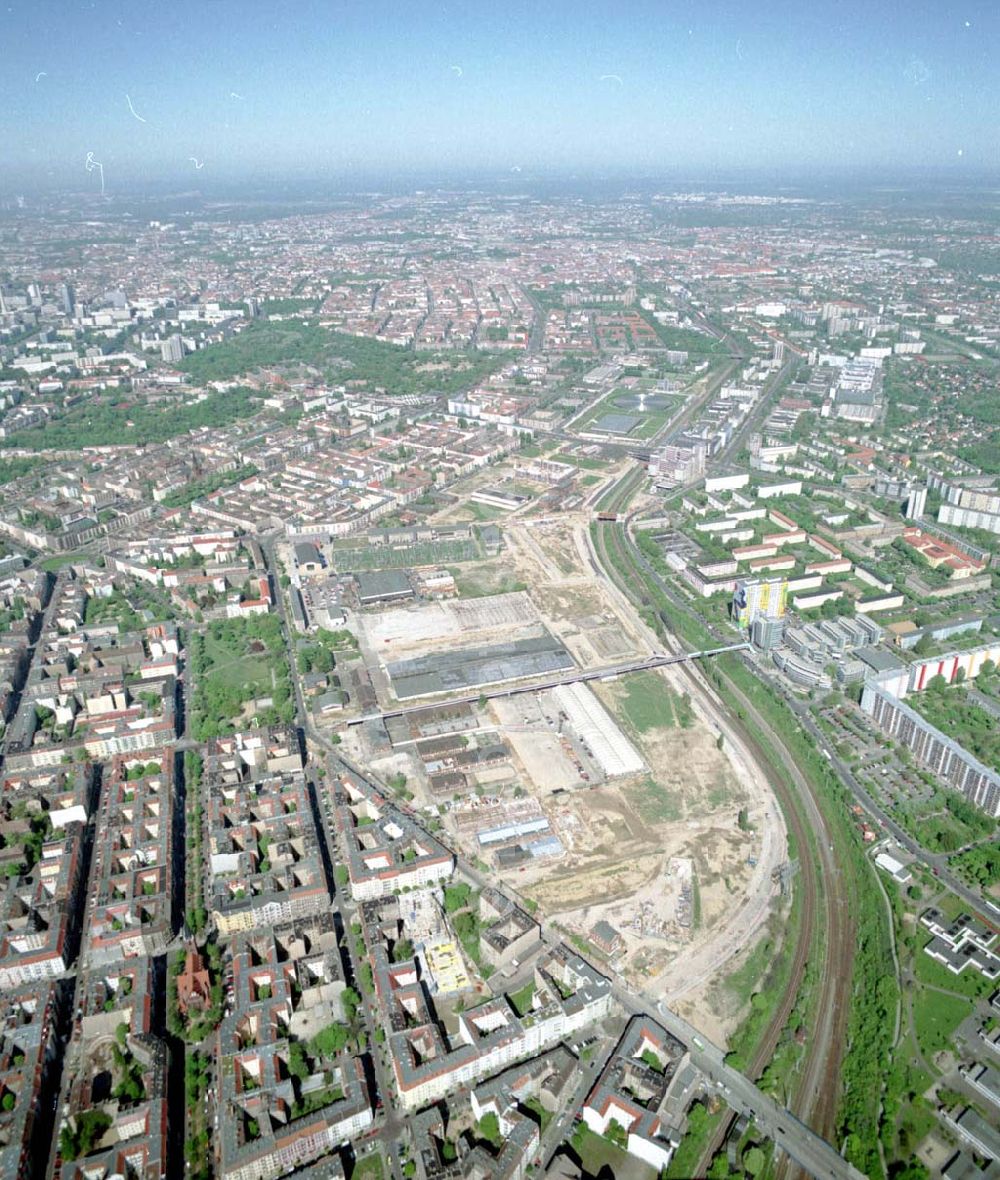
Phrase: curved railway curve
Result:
[824,892]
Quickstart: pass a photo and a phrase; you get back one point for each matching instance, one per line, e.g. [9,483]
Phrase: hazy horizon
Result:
[197,93]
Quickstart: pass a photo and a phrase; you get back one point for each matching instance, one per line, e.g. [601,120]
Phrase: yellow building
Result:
[445,963]
[759,596]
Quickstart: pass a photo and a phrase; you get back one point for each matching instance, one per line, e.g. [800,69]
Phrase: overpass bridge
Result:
[576,676]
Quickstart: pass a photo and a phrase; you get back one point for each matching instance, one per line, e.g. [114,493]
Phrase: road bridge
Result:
[578,676]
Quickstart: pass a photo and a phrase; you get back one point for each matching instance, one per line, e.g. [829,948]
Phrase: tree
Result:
[719,1169]
[488,1129]
[924,645]
[89,1129]
[331,1040]
[456,897]
[753,1161]
[351,1002]
[617,1134]
[649,1058]
[402,951]
[909,1170]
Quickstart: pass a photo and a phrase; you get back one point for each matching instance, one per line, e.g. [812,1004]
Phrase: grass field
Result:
[520,1001]
[486,513]
[935,1018]
[583,461]
[234,662]
[596,1152]
[544,1116]
[482,580]
[651,704]
[652,423]
[233,666]
[745,979]
[653,802]
[53,564]
[369,1168]
[701,1126]
[969,983]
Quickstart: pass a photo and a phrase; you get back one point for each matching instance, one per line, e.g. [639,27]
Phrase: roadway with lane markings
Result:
[798,1141]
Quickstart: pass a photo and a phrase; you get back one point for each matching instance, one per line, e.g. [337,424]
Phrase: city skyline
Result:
[199,94]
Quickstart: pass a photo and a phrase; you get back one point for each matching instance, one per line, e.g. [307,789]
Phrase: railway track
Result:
[769,1040]
[816,1094]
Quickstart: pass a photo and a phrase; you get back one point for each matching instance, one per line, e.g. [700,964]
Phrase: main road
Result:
[392,1123]
[809,1150]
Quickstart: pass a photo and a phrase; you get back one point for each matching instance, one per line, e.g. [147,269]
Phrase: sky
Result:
[272,89]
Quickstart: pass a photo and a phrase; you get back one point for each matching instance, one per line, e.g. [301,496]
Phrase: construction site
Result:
[615,807]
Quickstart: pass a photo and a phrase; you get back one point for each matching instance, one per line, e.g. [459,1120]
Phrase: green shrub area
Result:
[11,469]
[684,339]
[650,703]
[949,709]
[121,421]
[234,662]
[979,866]
[124,609]
[354,358]
[204,487]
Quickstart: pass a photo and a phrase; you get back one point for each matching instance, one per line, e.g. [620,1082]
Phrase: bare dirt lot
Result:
[539,749]
[678,857]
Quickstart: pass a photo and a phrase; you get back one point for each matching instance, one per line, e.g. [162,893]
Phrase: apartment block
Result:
[116,1065]
[633,1089]
[42,827]
[263,852]
[384,850]
[28,1050]
[132,890]
[282,1105]
[568,995]
[956,767]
